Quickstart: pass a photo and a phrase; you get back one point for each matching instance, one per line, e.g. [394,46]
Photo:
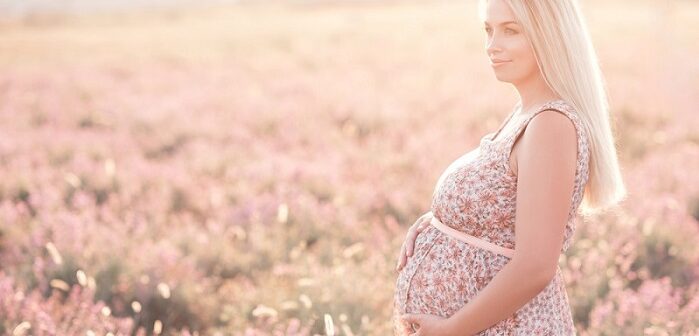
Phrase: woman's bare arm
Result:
[546,176]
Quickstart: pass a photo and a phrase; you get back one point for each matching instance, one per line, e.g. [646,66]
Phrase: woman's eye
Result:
[507,30]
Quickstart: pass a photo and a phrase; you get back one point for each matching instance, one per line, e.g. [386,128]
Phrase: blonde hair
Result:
[566,57]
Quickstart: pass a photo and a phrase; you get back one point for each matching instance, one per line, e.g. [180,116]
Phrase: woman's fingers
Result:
[425,224]
[403,249]
[401,257]
[411,242]
[421,227]
[408,246]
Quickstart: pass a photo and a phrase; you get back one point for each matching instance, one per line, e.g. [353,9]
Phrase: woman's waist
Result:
[493,246]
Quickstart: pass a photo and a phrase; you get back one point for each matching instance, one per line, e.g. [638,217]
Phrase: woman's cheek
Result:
[525,57]
[524,51]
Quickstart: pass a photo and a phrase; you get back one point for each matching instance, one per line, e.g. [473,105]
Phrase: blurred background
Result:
[251,167]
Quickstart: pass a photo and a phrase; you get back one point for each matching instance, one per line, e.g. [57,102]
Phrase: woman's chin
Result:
[502,78]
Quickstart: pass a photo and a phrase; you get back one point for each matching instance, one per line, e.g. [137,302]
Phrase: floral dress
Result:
[476,195]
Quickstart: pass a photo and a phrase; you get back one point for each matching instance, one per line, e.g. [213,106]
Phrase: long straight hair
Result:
[563,49]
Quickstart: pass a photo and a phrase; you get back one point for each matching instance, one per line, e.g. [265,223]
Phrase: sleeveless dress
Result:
[476,195]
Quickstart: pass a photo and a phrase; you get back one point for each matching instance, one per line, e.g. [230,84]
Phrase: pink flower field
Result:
[252,169]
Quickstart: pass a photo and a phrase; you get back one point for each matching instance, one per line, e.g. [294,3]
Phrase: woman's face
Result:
[505,41]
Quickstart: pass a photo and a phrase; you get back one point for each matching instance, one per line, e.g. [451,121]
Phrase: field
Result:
[252,169]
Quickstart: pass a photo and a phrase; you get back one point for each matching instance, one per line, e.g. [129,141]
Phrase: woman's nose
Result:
[493,46]
[494,43]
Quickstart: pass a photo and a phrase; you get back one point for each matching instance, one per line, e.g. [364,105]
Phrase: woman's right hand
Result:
[409,244]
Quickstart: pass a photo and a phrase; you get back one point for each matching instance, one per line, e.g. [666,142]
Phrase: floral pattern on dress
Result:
[477,195]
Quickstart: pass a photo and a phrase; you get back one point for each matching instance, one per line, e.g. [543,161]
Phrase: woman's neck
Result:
[534,93]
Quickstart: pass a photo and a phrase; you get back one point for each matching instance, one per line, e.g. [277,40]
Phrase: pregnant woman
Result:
[485,257]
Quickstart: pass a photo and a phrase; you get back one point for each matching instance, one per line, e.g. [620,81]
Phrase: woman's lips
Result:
[496,64]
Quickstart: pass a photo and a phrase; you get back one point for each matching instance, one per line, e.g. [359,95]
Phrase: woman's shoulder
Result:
[567,109]
[555,125]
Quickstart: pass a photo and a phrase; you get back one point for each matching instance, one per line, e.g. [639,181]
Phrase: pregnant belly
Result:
[441,283]
[444,274]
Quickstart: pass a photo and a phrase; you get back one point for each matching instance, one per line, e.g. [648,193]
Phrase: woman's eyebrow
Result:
[503,23]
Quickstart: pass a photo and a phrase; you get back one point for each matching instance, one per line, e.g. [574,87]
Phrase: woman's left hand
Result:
[426,325]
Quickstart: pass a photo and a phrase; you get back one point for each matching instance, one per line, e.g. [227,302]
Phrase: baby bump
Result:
[447,276]
[443,282]
[423,243]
